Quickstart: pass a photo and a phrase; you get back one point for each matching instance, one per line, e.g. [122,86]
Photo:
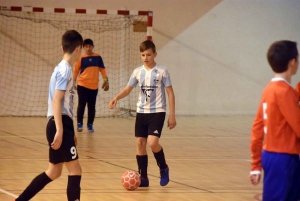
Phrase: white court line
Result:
[8,193]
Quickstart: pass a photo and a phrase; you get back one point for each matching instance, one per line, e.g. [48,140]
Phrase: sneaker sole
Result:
[164,184]
[79,129]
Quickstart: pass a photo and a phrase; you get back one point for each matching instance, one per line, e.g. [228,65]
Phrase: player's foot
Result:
[90,128]
[79,127]
[144,182]
[164,176]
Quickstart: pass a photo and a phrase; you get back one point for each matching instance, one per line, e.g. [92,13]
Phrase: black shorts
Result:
[67,151]
[149,124]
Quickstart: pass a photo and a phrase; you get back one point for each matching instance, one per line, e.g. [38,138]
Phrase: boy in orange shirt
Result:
[87,70]
[275,138]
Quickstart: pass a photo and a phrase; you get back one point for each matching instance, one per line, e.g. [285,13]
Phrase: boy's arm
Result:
[257,137]
[105,85]
[103,73]
[77,67]
[297,89]
[119,96]
[57,111]
[171,97]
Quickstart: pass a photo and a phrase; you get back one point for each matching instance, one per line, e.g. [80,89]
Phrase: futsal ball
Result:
[131,180]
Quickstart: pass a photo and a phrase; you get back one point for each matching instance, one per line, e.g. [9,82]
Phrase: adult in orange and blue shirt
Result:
[86,72]
[275,138]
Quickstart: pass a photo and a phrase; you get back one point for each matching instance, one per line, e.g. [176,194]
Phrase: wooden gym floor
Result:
[208,156]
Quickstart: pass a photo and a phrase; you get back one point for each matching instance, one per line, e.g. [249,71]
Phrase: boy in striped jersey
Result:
[153,80]
[60,129]
[275,138]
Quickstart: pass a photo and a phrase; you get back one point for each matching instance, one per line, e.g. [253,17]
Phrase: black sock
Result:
[73,189]
[37,184]
[142,162]
[160,159]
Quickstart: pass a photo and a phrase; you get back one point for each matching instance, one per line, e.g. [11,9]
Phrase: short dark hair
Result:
[88,41]
[70,40]
[147,44]
[280,53]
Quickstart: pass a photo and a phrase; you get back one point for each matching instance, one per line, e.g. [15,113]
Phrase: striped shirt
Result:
[152,83]
[62,79]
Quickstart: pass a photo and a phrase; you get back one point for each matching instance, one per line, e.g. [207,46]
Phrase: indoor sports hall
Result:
[215,52]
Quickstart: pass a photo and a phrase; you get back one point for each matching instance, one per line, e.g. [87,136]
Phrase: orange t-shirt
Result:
[276,127]
[297,89]
[88,68]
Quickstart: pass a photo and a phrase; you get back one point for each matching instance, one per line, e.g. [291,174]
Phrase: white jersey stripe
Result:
[143,98]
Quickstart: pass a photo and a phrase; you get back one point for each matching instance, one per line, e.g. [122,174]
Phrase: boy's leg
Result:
[91,104]
[70,156]
[160,159]
[142,160]
[142,157]
[141,142]
[40,181]
[74,178]
[158,151]
[54,170]
[279,173]
[82,100]
[296,181]
[155,126]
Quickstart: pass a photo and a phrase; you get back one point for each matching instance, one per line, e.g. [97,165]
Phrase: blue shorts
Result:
[281,176]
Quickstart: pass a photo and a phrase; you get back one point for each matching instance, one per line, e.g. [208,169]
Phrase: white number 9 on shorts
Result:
[73,152]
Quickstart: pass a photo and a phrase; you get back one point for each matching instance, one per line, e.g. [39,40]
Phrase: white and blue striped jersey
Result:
[62,79]
[152,83]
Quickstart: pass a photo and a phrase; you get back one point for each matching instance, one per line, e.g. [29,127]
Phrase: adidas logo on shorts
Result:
[156,132]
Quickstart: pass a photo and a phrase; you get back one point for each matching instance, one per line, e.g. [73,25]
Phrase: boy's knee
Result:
[75,170]
[153,144]
[141,142]
[53,174]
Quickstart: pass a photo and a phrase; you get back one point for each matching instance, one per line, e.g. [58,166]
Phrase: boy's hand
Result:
[105,86]
[57,140]
[171,121]
[112,103]
[75,86]
[254,178]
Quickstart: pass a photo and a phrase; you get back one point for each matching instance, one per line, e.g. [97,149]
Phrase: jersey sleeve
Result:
[297,89]
[100,62]
[77,67]
[166,80]
[257,137]
[62,79]
[103,72]
[133,80]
